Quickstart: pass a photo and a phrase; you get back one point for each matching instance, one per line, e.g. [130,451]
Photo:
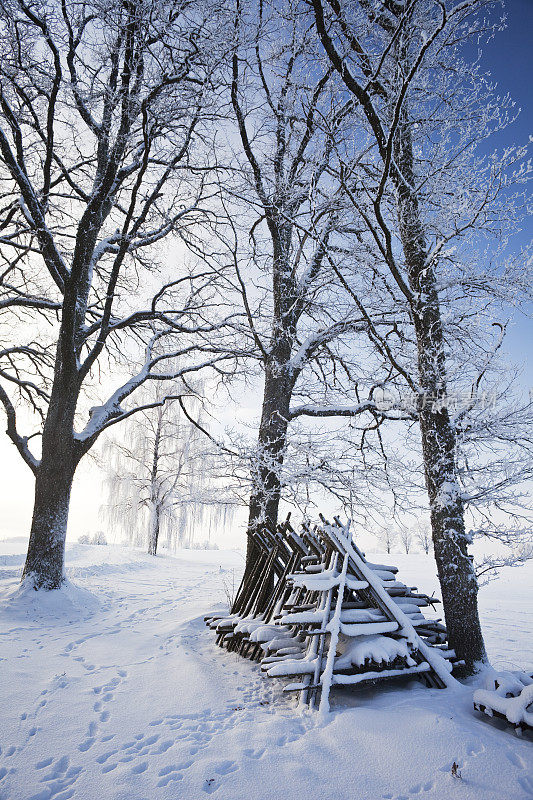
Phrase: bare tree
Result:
[300,317]
[151,471]
[159,477]
[424,198]
[422,534]
[406,537]
[102,107]
[387,536]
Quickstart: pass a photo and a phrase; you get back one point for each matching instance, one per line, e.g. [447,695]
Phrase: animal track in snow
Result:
[416,789]
[106,695]
[421,787]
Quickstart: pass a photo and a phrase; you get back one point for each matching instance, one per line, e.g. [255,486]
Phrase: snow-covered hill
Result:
[114,689]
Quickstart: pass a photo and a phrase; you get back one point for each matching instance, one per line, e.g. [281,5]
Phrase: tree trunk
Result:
[153,533]
[53,483]
[454,565]
[153,537]
[455,569]
[266,491]
[54,476]
[46,549]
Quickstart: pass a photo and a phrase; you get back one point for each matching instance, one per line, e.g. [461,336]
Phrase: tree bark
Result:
[153,534]
[454,565]
[439,441]
[153,538]
[272,439]
[45,558]
[46,549]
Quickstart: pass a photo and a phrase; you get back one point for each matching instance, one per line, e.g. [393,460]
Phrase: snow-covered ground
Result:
[114,689]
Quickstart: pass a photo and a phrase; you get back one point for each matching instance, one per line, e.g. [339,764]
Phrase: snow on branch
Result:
[20,442]
[111,412]
[345,411]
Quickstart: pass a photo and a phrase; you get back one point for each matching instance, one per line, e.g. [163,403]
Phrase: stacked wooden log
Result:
[315,611]
[509,696]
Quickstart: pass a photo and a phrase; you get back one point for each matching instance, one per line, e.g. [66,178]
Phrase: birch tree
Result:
[150,473]
[159,478]
[104,157]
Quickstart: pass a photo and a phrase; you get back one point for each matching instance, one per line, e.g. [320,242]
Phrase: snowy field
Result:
[114,689]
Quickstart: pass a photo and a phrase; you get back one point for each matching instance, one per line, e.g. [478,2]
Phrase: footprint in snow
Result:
[84,746]
[254,753]
[515,759]
[172,772]
[45,763]
[164,746]
[172,776]
[105,756]
[138,768]
[526,782]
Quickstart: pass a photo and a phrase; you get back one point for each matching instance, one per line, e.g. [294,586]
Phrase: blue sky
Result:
[509,59]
